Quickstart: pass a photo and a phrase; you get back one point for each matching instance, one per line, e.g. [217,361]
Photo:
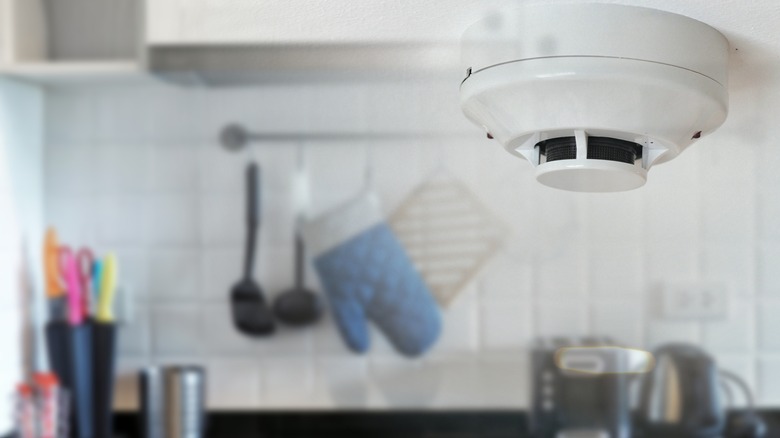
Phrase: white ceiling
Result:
[753,21]
[752,26]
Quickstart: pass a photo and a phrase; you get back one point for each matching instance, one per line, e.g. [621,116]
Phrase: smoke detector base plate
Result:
[591,175]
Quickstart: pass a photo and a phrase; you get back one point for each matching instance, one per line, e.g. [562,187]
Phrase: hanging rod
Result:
[236,137]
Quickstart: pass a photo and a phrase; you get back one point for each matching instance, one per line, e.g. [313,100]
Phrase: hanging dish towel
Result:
[368,276]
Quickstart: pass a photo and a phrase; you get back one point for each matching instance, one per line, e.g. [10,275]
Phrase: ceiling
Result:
[377,21]
[751,27]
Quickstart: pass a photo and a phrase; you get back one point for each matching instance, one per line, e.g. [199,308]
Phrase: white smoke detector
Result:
[593,95]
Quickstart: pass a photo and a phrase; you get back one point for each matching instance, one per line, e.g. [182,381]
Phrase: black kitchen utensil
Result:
[298,306]
[70,356]
[103,375]
[57,335]
[79,352]
[251,315]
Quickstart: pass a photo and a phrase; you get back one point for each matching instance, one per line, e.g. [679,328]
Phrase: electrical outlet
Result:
[694,301]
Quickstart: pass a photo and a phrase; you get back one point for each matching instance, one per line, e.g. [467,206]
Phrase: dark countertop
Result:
[422,424]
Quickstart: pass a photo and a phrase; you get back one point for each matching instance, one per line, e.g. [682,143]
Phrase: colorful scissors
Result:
[77,277]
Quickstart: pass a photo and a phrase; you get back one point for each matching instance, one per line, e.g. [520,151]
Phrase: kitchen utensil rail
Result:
[236,137]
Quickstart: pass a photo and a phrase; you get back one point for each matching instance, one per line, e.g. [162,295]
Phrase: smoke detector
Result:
[593,95]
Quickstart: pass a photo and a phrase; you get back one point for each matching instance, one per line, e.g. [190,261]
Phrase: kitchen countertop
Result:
[429,424]
[423,424]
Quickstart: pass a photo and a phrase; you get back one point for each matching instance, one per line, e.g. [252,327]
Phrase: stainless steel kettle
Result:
[680,397]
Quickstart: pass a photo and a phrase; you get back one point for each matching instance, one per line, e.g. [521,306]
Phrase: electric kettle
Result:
[681,398]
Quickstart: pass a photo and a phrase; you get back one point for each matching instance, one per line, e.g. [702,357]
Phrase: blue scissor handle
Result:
[97,272]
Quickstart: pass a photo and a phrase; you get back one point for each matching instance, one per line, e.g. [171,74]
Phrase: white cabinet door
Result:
[163,21]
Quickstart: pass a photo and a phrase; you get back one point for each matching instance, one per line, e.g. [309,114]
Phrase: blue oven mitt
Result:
[367,276]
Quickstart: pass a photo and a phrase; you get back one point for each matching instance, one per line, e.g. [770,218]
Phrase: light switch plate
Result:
[695,301]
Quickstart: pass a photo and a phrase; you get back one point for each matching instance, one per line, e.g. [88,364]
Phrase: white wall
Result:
[138,169]
[21,215]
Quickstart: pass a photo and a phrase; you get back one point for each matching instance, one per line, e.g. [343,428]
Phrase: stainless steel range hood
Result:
[235,65]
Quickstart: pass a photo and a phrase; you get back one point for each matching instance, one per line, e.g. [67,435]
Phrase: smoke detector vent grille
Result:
[612,149]
[561,148]
[599,148]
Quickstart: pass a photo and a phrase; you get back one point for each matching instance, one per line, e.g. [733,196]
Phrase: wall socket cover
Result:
[695,300]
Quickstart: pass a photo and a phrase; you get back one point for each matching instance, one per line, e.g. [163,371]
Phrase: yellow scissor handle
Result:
[108,279]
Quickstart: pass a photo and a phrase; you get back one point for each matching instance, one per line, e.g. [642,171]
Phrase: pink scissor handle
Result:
[70,270]
[84,265]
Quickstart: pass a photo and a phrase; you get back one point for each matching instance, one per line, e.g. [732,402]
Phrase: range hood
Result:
[246,64]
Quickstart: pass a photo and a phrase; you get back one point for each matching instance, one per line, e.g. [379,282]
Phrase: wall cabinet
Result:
[70,40]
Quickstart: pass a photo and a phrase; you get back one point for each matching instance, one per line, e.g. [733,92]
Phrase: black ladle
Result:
[298,306]
[251,315]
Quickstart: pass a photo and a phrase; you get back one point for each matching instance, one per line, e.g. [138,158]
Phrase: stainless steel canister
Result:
[185,399]
[151,402]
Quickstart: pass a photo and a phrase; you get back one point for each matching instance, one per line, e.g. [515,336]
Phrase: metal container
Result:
[151,402]
[185,399]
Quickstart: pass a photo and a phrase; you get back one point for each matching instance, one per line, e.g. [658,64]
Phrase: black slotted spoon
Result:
[251,314]
[299,306]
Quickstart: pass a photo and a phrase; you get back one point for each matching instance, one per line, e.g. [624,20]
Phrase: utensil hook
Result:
[368,167]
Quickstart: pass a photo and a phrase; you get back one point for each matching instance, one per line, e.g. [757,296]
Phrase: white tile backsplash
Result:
[174,275]
[768,214]
[342,382]
[65,173]
[174,169]
[220,337]
[123,169]
[566,318]
[562,275]
[173,220]
[178,329]
[504,278]
[134,337]
[117,114]
[734,334]
[769,325]
[67,213]
[134,274]
[223,220]
[506,326]
[139,170]
[404,383]
[288,382]
[743,366]
[70,115]
[220,270]
[615,270]
[670,261]
[234,384]
[460,333]
[620,319]
[508,378]
[732,264]
[768,273]
[769,376]
[604,226]
[121,220]
[664,332]
[221,172]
